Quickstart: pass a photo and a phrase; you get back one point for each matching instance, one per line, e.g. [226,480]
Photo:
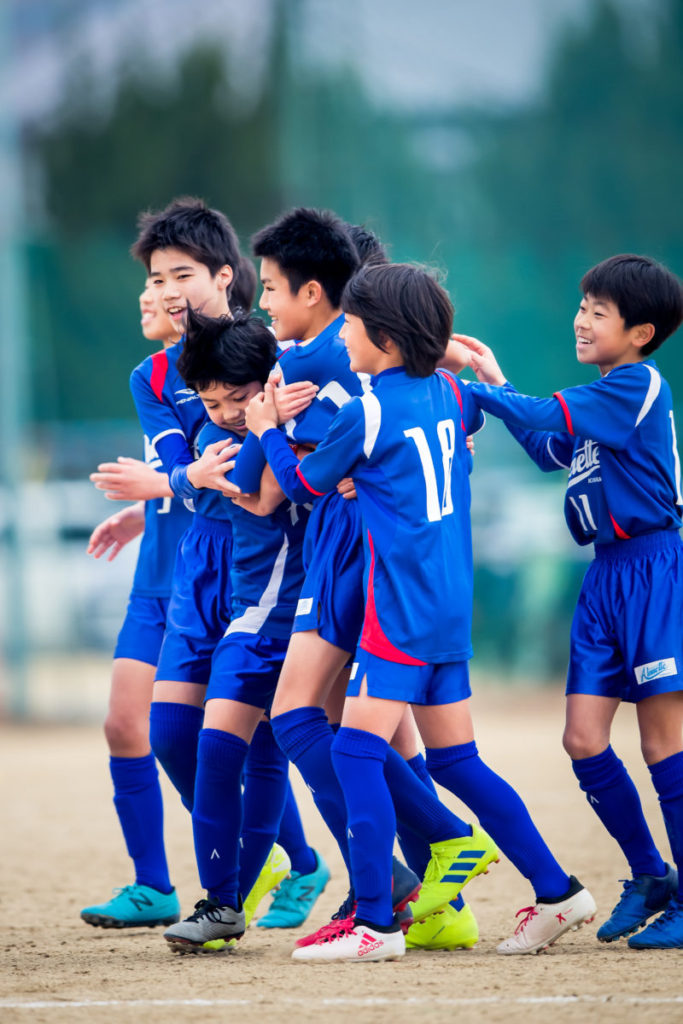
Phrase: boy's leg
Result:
[265,793]
[661,721]
[176,717]
[614,798]
[138,802]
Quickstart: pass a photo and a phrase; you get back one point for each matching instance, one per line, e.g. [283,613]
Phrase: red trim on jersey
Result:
[159,371]
[565,409]
[306,483]
[373,638]
[621,534]
[456,390]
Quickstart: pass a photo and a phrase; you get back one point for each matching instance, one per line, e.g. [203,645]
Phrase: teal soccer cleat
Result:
[134,906]
[294,900]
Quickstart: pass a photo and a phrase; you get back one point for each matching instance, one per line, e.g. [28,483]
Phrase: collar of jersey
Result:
[328,332]
[393,371]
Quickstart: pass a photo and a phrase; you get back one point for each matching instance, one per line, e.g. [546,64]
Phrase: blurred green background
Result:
[512,146]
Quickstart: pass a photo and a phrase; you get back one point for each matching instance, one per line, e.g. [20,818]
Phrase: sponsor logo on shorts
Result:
[655,670]
[305,606]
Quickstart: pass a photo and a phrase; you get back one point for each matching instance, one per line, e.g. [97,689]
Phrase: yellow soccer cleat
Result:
[454,863]
[450,928]
[276,868]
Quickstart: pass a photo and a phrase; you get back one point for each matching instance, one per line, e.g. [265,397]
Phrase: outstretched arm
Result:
[130,480]
[116,531]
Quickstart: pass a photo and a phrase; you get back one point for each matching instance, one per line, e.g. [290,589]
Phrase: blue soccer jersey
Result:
[404,445]
[617,438]
[166,519]
[267,571]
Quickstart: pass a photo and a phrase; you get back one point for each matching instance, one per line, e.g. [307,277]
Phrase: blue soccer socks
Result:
[614,798]
[292,838]
[306,738]
[417,805]
[358,759]
[137,798]
[265,788]
[173,733]
[501,813]
[667,778]
[217,813]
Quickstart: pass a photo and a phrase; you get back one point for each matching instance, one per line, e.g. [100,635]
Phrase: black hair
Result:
[244,284]
[309,245]
[367,244]
[403,303]
[644,292]
[189,225]
[225,350]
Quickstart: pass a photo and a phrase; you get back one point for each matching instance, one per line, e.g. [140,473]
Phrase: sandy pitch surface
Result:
[61,850]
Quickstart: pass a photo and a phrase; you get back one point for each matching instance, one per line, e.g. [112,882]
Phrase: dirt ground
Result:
[61,849]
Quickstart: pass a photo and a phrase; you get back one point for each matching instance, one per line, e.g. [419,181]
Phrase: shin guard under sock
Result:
[137,798]
[173,734]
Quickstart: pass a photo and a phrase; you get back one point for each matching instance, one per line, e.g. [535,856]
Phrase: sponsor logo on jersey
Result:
[655,670]
[585,461]
[190,395]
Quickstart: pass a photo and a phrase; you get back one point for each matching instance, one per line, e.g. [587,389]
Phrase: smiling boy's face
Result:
[155,323]
[181,279]
[225,404]
[290,312]
[602,338]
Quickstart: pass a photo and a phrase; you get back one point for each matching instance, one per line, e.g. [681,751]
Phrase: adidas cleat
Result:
[208,930]
[546,922]
[273,872]
[355,942]
[642,897]
[454,863]
[134,906]
[454,927]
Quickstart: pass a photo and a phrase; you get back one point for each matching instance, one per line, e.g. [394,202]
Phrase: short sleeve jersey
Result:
[166,519]
[404,444]
[619,431]
[267,570]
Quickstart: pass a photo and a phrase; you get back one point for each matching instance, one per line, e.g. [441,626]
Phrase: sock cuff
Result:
[667,776]
[131,764]
[132,774]
[442,757]
[358,743]
[298,730]
[600,771]
[173,715]
[214,744]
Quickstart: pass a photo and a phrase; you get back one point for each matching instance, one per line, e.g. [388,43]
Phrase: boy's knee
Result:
[580,743]
[125,735]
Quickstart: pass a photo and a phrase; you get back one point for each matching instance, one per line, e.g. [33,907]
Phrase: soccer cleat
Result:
[405,885]
[134,906]
[454,863]
[342,918]
[450,928]
[293,901]
[641,898]
[209,929]
[355,942]
[665,932]
[544,923]
[276,868]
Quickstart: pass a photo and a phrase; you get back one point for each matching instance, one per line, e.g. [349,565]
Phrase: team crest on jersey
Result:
[586,460]
[655,670]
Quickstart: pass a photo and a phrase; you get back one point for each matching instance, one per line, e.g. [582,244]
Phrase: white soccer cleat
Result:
[355,943]
[544,923]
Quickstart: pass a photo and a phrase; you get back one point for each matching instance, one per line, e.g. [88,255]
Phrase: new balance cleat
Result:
[273,872]
[208,930]
[641,898]
[134,906]
[544,923]
[405,886]
[355,942]
[454,863]
[294,900]
[665,932]
[450,928]
[343,918]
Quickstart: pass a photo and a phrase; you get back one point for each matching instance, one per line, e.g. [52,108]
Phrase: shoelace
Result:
[207,909]
[336,931]
[671,912]
[530,912]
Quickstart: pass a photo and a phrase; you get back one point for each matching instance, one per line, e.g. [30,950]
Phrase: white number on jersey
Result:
[437,506]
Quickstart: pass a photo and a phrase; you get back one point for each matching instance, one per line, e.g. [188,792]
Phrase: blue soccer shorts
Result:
[199,607]
[246,668]
[627,632]
[143,628]
[444,683]
[331,598]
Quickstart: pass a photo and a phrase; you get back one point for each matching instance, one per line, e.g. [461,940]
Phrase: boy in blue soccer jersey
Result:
[616,438]
[404,445]
[151,899]
[227,361]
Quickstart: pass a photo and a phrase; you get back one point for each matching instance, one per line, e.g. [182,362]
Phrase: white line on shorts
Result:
[617,1000]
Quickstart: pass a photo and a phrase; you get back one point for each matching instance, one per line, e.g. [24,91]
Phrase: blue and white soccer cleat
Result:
[134,906]
[642,897]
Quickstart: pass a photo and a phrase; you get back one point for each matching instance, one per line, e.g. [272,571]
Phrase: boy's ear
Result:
[224,276]
[312,292]
[643,334]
